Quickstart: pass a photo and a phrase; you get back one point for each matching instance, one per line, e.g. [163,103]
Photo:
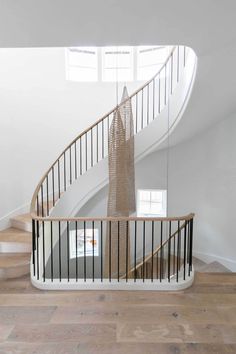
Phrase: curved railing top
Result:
[35,199]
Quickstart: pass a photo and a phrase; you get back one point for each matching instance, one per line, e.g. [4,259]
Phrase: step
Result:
[22,222]
[214,267]
[14,265]
[14,240]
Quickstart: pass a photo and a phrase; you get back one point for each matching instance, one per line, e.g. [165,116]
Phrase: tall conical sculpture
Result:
[121,197]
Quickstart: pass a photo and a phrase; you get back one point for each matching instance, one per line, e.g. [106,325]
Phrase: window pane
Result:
[117,64]
[82,64]
[151,203]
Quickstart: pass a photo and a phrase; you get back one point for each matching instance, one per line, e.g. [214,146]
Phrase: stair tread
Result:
[214,267]
[9,260]
[15,235]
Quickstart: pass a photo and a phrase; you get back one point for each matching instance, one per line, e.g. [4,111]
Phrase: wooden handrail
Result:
[34,198]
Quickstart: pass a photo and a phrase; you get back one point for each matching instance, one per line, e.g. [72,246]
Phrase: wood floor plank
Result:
[63,333]
[179,333]
[26,314]
[5,330]
[38,348]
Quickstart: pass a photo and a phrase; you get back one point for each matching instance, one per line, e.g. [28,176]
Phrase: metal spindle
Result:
[76,168]
[178,252]
[59,250]
[142,110]
[101,251]
[44,265]
[144,242]
[85,275]
[91,147]
[109,250]
[70,161]
[51,244]
[127,250]
[33,245]
[59,177]
[53,187]
[135,250]
[64,155]
[80,156]
[76,250]
[161,254]
[47,197]
[37,205]
[42,200]
[159,95]
[152,249]
[169,249]
[93,246]
[102,139]
[68,250]
[97,142]
[118,251]
[86,152]
[185,233]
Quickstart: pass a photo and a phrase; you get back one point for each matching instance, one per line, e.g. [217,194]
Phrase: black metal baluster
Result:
[174,255]
[33,245]
[64,155]
[147,104]
[153,103]
[169,249]
[161,253]
[118,251]
[85,275]
[127,250]
[53,186]
[144,250]
[136,112]
[68,250]
[70,161]
[76,167]
[101,251]
[142,111]
[59,178]
[44,266]
[37,241]
[191,245]
[59,250]
[152,249]
[188,247]
[37,203]
[93,246]
[51,243]
[47,198]
[102,139]
[91,147]
[42,201]
[97,143]
[109,250]
[86,152]
[76,250]
[135,250]
[80,156]
[178,255]
[185,232]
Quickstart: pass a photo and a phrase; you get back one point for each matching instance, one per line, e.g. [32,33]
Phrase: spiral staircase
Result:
[160,248]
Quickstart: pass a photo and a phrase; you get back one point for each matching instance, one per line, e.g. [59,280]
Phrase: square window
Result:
[152,203]
[90,241]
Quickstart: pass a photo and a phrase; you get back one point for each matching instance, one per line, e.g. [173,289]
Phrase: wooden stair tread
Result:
[15,235]
[10,260]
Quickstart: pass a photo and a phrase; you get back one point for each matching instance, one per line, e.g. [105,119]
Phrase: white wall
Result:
[202,179]
[40,113]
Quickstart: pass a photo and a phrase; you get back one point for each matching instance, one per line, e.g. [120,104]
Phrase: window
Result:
[111,64]
[117,64]
[150,60]
[82,64]
[80,243]
[152,203]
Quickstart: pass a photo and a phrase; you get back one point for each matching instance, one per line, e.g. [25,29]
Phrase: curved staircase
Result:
[158,259]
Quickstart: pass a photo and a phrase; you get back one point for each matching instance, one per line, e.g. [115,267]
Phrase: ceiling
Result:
[208,26]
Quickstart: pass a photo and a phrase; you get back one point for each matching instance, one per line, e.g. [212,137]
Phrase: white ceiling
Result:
[208,26]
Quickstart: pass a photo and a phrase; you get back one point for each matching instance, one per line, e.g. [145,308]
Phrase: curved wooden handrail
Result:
[36,192]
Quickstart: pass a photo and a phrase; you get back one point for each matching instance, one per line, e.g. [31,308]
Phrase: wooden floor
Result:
[199,320]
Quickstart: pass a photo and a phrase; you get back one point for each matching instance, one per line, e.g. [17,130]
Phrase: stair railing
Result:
[91,146]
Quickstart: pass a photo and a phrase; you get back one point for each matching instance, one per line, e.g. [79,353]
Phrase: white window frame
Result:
[150,214]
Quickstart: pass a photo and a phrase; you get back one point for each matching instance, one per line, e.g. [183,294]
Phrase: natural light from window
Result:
[152,202]
[114,64]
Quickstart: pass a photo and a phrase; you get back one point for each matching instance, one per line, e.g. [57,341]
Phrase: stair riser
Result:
[14,247]
[25,226]
[14,272]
